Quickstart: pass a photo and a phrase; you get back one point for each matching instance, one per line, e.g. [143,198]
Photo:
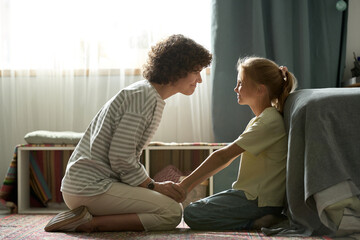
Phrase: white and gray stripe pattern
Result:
[112,144]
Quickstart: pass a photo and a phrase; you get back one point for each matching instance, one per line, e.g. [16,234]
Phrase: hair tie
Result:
[283,70]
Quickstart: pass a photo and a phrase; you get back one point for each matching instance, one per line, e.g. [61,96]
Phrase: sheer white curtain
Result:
[61,60]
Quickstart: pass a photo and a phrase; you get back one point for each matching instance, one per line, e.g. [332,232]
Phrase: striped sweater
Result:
[112,144]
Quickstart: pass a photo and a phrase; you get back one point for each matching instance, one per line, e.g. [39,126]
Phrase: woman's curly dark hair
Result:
[173,58]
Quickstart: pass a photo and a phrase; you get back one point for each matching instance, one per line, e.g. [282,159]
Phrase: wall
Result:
[353,36]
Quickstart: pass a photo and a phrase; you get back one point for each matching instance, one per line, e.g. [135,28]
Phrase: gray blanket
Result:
[324,149]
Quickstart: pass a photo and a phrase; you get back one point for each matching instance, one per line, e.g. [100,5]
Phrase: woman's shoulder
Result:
[135,98]
[135,92]
[142,86]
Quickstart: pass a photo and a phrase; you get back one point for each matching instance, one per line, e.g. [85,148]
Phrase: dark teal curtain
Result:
[305,35]
[308,36]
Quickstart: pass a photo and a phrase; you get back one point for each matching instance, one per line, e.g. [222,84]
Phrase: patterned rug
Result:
[18,226]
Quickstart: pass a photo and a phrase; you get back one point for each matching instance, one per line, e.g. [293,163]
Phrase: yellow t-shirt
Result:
[262,169]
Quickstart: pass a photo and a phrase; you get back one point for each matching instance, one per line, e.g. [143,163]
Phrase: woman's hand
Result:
[171,190]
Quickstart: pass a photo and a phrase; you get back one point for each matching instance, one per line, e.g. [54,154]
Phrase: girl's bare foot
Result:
[267,221]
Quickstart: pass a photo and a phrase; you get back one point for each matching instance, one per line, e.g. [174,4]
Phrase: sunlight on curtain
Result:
[60,61]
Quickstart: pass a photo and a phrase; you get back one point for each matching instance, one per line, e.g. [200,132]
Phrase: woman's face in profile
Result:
[187,85]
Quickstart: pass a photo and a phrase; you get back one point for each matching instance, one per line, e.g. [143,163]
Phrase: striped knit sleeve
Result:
[124,159]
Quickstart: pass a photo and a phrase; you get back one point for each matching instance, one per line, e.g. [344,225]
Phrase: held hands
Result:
[172,190]
[184,189]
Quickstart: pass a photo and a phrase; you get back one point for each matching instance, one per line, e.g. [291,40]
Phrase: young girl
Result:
[256,198]
[105,185]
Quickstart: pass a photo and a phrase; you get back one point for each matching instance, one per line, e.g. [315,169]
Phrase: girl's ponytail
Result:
[288,86]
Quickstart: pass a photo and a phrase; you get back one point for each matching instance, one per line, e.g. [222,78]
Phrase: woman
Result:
[105,185]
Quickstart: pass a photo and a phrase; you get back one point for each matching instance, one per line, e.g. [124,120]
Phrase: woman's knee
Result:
[168,219]
[173,215]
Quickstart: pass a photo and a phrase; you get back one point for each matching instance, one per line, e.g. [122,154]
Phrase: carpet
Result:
[17,226]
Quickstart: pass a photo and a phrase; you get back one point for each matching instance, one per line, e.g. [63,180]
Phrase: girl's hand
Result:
[183,189]
[171,190]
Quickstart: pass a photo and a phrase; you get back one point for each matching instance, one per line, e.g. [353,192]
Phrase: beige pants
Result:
[156,211]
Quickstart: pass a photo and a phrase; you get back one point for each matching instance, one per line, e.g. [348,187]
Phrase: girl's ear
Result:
[262,89]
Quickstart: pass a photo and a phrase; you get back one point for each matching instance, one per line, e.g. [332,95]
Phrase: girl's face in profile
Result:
[187,85]
[245,89]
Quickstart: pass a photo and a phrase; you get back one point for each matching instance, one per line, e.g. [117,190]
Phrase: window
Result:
[101,34]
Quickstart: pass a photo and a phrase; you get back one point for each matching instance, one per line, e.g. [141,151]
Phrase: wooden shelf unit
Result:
[23,179]
[24,171]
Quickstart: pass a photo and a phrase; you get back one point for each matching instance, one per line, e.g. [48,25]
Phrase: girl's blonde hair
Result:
[279,83]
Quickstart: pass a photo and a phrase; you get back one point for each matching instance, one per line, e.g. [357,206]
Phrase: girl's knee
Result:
[187,211]
[191,216]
